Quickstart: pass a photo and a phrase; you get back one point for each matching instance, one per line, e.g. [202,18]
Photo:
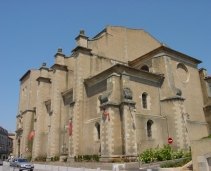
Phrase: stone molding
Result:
[59,54]
[149,116]
[60,67]
[43,79]
[163,49]
[81,49]
[172,98]
[120,70]
[67,93]
[24,112]
[109,103]
[93,120]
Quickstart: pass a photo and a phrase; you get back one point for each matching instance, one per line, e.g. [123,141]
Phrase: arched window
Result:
[144,100]
[149,128]
[97,125]
[145,68]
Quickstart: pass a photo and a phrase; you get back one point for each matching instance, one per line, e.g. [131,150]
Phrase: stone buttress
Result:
[58,85]
[41,113]
[172,104]
[128,117]
[78,109]
[111,133]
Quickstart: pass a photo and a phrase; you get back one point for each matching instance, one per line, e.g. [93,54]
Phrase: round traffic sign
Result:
[170,140]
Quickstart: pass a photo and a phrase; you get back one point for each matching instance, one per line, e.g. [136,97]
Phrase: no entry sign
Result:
[170,140]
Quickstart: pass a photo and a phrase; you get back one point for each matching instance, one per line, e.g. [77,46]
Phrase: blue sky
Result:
[32,31]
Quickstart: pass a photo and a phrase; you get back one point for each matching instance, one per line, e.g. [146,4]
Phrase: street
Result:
[6,167]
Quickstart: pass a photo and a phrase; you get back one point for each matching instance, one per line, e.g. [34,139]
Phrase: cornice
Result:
[196,122]
[103,31]
[173,98]
[81,48]
[44,68]
[24,112]
[59,54]
[81,35]
[123,70]
[110,103]
[162,49]
[67,93]
[72,103]
[149,116]
[93,120]
[43,79]
[59,67]
[25,75]
[47,102]
[128,102]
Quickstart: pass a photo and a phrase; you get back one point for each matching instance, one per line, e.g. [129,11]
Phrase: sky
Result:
[32,31]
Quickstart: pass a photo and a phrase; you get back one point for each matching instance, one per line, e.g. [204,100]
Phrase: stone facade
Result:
[117,94]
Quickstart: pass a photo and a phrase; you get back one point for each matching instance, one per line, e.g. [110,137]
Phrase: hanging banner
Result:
[70,128]
[31,135]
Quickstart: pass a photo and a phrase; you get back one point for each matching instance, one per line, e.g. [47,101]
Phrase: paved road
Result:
[6,167]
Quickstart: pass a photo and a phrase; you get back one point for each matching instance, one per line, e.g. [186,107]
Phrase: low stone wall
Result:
[170,169]
[91,165]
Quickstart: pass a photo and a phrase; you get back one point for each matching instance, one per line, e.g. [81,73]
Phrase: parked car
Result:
[22,164]
[1,162]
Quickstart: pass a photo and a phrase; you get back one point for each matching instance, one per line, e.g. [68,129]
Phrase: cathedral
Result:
[117,94]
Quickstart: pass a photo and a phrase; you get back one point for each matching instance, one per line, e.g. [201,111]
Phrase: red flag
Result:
[106,114]
[70,128]
[31,135]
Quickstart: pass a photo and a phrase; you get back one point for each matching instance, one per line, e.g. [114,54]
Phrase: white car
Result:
[22,164]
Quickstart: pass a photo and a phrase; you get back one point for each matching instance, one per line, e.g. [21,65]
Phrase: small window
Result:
[145,68]
[149,128]
[97,125]
[144,100]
